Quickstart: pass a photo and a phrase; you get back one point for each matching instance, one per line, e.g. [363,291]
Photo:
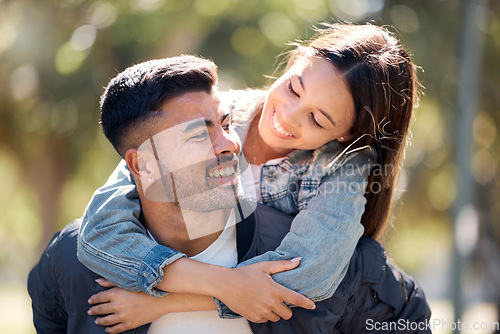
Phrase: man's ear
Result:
[133,162]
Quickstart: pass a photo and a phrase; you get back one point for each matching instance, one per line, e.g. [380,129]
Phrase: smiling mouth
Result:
[223,172]
[279,129]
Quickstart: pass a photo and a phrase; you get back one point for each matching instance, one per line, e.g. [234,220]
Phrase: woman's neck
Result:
[256,150]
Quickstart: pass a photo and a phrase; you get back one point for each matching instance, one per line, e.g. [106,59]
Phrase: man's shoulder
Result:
[60,267]
[66,239]
[59,257]
[71,230]
[60,286]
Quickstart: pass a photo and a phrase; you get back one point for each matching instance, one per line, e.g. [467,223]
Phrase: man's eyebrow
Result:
[204,123]
[319,109]
[197,124]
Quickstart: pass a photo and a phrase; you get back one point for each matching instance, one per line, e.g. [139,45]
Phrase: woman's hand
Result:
[124,309]
[251,292]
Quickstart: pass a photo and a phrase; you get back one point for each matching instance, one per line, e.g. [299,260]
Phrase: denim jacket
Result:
[324,189]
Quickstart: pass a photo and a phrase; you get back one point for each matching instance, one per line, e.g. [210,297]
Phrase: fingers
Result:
[109,320]
[105,308]
[273,313]
[295,298]
[105,283]
[265,317]
[101,297]
[273,267]
[117,329]
[273,317]
[283,311]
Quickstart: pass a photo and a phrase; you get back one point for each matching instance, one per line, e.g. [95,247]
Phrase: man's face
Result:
[193,158]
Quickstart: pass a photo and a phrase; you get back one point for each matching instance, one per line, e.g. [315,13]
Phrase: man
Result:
[176,111]
[179,196]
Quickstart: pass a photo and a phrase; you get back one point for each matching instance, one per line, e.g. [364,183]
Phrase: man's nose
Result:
[226,143]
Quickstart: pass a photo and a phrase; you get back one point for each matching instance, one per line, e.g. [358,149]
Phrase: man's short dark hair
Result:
[132,99]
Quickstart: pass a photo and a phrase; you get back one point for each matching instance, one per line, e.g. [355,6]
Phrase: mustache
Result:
[221,159]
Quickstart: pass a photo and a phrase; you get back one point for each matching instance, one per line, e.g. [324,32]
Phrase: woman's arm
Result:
[113,243]
[325,233]
[247,291]
[123,310]
[105,244]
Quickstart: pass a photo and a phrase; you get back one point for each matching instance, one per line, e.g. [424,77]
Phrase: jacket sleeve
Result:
[324,234]
[114,244]
[49,315]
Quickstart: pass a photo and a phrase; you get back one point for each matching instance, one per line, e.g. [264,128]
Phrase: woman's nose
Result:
[291,115]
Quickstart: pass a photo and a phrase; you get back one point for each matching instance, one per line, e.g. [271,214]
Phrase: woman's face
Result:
[307,107]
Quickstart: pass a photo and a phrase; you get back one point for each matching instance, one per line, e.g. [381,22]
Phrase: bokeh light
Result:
[405,18]
[248,41]
[24,82]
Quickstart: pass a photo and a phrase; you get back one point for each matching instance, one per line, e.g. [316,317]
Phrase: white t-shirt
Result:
[223,253]
[251,180]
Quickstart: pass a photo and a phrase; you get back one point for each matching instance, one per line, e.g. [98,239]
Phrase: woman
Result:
[346,99]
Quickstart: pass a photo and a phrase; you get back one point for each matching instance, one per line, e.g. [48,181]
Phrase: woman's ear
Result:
[345,138]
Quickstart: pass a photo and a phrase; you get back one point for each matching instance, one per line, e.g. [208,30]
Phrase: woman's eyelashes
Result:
[314,121]
[227,123]
[311,115]
[291,90]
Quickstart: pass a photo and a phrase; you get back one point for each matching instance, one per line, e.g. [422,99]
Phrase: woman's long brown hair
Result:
[382,81]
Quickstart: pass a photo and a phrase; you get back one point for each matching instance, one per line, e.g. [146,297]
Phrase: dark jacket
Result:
[59,286]
[373,296]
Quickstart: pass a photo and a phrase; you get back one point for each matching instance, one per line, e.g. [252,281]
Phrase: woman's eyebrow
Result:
[319,109]
[226,115]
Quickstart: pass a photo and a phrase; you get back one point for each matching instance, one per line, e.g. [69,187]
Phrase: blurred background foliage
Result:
[57,55]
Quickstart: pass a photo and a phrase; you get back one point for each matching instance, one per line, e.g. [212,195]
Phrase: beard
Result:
[222,197]
[195,188]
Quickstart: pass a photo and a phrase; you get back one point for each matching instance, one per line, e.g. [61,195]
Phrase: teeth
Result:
[223,172]
[226,171]
[278,127]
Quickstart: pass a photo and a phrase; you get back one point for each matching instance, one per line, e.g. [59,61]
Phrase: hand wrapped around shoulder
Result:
[249,291]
